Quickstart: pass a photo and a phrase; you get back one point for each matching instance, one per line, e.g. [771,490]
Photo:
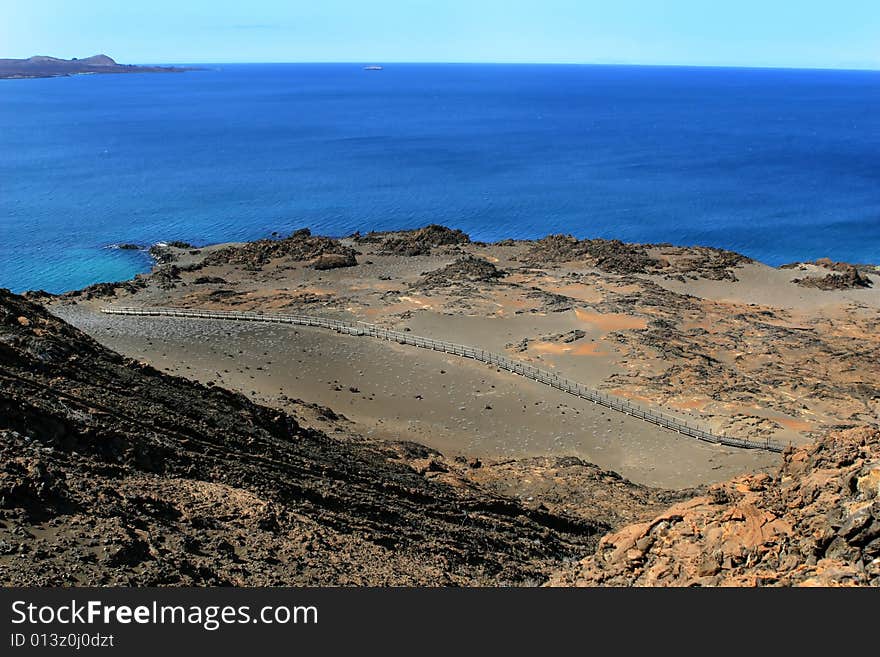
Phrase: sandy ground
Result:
[398,392]
[737,348]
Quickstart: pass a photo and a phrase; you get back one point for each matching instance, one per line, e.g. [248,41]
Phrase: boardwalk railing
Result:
[546,377]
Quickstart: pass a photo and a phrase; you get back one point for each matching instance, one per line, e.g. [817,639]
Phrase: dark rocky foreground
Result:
[113,473]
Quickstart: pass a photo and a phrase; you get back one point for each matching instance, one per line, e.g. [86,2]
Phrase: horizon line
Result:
[854,68]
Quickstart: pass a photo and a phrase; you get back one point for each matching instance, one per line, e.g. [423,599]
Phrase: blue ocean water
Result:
[781,165]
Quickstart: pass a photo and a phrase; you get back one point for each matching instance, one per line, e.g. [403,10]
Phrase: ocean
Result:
[781,165]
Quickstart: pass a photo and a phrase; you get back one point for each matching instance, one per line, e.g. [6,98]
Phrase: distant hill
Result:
[51,67]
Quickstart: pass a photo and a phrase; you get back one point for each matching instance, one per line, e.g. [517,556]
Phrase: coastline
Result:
[153,249]
[623,318]
[39,67]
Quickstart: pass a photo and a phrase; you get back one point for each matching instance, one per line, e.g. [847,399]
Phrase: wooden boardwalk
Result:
[546,377]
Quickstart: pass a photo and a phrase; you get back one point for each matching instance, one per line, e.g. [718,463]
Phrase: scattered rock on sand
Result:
[844,276]
[608,255]
[618,257]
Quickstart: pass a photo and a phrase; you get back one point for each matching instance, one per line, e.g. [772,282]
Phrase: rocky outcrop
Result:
[467,269]
[104,290]
[844,276]
[570,486]
[301,246]
[419,242]
[815,522]
[333,261]
[112,473]
[618,257]
[608,255]
[209,280]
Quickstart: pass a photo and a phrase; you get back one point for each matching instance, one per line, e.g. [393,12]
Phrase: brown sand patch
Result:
[589,349]
[577,291]
[552,348]
[517,303]
[608,322]
[794,425]
[628,394]
[690,405]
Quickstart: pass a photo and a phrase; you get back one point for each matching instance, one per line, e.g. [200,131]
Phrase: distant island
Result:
[52,67]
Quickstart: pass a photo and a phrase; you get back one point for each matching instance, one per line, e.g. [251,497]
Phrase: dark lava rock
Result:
[618,257]
[608,255]
[209,280]
[467,269]
[166,277]
[101,290]
[421,241]
[333,261]
[846,277]
[301,246]
[162,254]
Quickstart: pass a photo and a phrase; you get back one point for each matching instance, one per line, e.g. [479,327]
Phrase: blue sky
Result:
[788,33]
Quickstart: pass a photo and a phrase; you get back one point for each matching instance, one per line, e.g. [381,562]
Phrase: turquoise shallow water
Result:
[780,165]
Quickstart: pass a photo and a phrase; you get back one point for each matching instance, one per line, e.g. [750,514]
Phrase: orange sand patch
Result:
[693,404]
[588,349]
[552,348]
[793,424]
[577,291]
[517,303]
[611,321]
[626,394]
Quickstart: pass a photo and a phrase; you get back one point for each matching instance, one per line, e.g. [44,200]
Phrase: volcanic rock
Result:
[116,474]
[816,522]
[421,241]
[301,246]
[467,269]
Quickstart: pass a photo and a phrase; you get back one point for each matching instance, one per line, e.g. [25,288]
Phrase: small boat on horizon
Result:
[373,68]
